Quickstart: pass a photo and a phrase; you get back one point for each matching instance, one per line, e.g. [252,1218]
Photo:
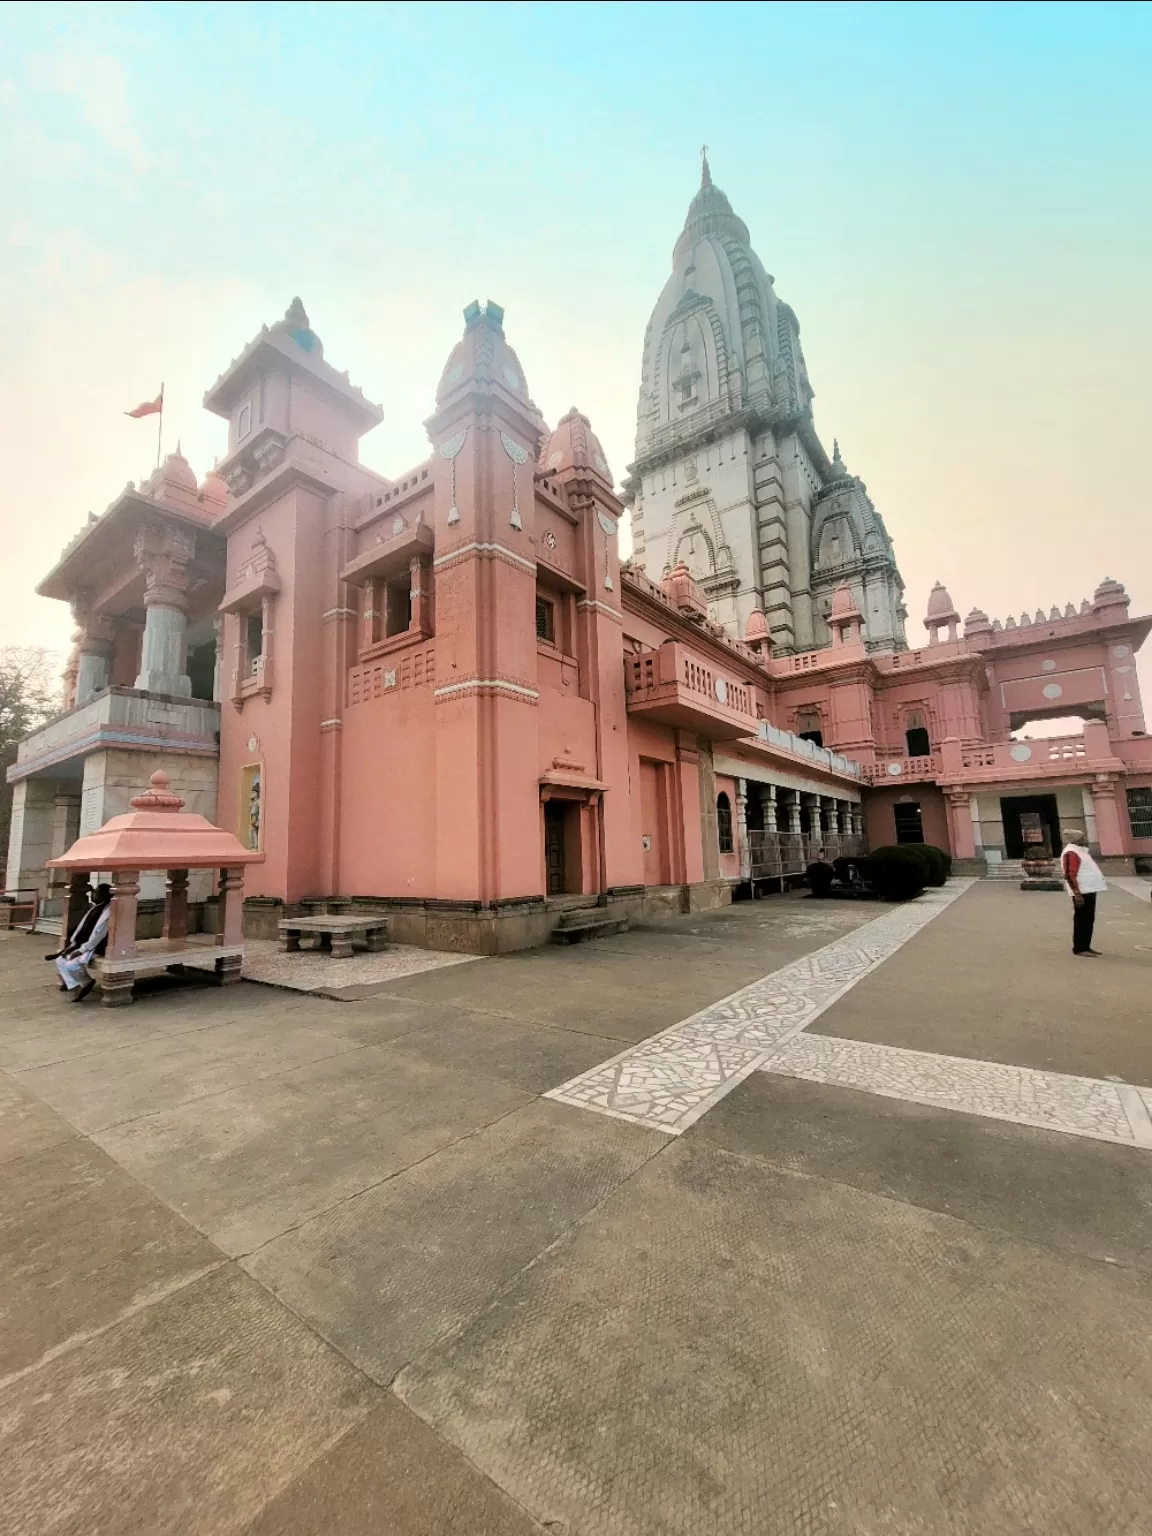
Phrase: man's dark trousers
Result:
[1083,921]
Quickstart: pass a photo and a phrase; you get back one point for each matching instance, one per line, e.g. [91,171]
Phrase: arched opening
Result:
[809,726]
[724,823]
[916,739]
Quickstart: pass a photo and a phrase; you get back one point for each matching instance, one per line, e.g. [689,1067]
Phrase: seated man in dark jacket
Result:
[87,940]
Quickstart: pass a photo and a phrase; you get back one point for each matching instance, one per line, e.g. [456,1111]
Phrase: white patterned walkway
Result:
[1054,1101]
[671,1079]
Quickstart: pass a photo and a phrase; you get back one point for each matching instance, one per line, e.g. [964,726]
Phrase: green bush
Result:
[939,863]
[820,877]
[899,872]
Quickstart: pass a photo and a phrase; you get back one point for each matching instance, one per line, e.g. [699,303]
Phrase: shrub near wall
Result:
[900,872]
[939,862]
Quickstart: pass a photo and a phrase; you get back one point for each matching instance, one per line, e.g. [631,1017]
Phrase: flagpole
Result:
[160,427]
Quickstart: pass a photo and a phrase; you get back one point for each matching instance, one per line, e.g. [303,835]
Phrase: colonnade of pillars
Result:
[782,830]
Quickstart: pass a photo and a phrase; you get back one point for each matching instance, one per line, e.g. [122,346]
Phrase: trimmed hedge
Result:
[899,872]
[820,877]
[939,862]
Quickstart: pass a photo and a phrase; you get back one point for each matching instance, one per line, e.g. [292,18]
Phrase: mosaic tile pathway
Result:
[1054,1101]
[671,1079]
[313,971]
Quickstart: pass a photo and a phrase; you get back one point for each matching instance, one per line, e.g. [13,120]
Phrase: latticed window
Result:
[1140,812]
[724,823]
[545,620]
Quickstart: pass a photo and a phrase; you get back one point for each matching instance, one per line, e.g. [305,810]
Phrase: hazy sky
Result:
[954,199]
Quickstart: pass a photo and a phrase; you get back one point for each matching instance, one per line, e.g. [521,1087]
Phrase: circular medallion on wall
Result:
[606,523]
[895,770]
[1020,753]
[1119,650]
[1048,666]
[1052,690]
[253,744]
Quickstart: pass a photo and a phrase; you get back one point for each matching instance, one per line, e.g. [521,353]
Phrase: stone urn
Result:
[1040,871]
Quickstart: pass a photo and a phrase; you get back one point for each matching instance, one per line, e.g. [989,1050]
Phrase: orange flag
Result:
[149,407]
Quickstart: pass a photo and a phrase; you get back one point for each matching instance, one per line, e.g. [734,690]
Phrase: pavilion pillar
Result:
[116,989]
[75,902]
[95,646]
[792,810]
[1109,830]
[768,801]
[743,848]
[176,906]
[164,553]
[231,931]
[960,823]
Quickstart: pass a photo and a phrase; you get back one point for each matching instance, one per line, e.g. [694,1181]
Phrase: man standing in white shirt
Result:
[1084,880]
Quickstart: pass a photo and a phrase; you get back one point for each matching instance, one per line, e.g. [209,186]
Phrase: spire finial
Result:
[705,173]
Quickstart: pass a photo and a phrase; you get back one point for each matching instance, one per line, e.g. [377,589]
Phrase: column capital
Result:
[164,554]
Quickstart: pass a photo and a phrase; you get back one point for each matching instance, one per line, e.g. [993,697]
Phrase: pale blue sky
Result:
[953,198]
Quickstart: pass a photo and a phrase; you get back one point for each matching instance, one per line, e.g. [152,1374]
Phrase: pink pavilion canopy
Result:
[156,834]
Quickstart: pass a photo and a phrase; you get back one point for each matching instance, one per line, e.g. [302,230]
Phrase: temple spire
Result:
[705,173]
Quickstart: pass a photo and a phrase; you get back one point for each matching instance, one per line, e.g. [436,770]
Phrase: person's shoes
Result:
[1085,954]
[64,987]
[1095,953]
[55,955]
[83,992]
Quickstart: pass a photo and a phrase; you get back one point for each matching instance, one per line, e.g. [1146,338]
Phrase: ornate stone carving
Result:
[518,456]
[164,554]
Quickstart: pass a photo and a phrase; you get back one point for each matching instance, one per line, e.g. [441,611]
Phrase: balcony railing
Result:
[904,770]
[1041,757]
[676,687]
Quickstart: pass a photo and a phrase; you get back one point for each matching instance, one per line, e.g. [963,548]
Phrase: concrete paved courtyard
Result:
[797,1217]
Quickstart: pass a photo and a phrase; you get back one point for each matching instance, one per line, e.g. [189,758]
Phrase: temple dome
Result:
[719,341]
[177,471]
[297,325]
[574,445]
[483,356]
[756,631]
[214,492]
[1108,593]
[844,605]
[709,213]
[941,608]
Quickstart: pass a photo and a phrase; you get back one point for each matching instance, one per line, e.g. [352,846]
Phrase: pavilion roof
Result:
[156,834]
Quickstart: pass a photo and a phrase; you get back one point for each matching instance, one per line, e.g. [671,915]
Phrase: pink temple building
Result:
[445,694]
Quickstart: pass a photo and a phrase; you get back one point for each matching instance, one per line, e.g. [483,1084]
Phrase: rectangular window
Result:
[1140,812]
[244,421]
[254,638]
[909,822]
[545,620]
[398,606]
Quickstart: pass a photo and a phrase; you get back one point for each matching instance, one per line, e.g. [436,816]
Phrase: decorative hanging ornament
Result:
[518,456]
[608,528]
[448,451]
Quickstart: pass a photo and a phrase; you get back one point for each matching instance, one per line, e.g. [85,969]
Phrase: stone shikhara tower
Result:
[730,478]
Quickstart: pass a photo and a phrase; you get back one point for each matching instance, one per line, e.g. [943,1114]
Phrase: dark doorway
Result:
[1012,808]
[909,821]
[554,864]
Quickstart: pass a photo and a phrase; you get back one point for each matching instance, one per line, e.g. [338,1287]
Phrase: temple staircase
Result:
[583,918]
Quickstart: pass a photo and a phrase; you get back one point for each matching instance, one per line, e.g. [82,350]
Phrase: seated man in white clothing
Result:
[89,939]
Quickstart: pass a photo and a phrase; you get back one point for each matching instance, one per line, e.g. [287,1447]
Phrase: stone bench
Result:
[153,957]
[335,932]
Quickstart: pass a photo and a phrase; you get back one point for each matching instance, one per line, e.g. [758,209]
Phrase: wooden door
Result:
[555,871]
[653,823]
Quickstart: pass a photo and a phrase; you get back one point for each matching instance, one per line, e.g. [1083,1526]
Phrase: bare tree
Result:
[29,695]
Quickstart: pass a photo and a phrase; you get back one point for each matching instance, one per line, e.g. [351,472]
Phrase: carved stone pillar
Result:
[116,990]
[218,663]
[164,554]
[420,569]
[95,642]
[742,845]
[793,810]
[960,823]
[1109,829]
[768,801]
[176,906]
[370,613]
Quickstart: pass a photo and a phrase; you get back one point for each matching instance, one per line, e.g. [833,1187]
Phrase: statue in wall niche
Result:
[254,812]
